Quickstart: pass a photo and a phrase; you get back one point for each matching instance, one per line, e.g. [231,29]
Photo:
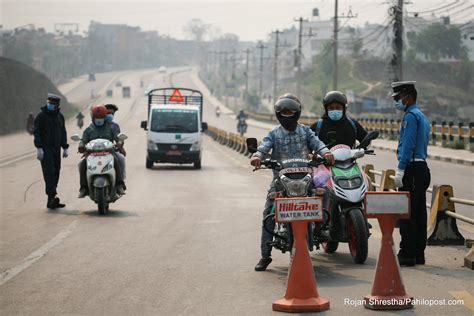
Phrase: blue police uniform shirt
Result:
[414,137]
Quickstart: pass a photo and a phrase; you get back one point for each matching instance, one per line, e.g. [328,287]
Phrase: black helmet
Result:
[334,97]
[288,102]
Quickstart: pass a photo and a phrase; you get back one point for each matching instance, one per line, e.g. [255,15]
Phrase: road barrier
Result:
[449,133]
[442,226]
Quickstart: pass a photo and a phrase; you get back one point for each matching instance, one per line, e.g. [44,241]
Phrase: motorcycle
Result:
[218,112]
[294,180]
[242,126]
[101,171]
[80,123]
[346,190]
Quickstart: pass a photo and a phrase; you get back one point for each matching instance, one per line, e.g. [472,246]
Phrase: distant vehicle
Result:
[162,70]
[174,126]
[118,83]
[91,77]
[109,92]
[126,92]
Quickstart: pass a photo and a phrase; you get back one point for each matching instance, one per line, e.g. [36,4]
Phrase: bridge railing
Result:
[442,225]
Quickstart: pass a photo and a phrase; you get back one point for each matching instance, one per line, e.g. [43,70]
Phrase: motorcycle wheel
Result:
[358,239]
[330,246]
[101,201]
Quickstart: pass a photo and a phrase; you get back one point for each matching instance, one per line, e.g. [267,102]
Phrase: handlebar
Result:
[276,165]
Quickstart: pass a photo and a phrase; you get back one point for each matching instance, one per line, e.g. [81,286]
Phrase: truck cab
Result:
[174,127]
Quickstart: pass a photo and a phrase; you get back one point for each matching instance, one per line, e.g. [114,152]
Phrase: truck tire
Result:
[197,164]
[149,163]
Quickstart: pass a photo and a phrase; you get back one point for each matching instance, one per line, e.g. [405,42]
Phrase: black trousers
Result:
[51,166]
[413,233]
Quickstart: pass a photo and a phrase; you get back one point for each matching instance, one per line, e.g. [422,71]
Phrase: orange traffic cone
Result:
[301,291]
[388,291]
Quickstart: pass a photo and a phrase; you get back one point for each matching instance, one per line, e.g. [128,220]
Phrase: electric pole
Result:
[247,53]
[260,80]
[299,54]
[398,42]
[275,64]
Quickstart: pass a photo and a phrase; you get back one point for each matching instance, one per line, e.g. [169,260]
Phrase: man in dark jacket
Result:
[336,120]
[50,135]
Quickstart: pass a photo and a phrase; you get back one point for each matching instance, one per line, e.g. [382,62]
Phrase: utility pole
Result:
[247,53]
[275,64]
[335,43]
[398,42]
[300,55]
[260,80]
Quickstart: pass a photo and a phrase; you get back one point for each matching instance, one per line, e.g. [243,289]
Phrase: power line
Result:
[437,9]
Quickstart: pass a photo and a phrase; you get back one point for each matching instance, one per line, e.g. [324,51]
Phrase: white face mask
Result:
[399,104]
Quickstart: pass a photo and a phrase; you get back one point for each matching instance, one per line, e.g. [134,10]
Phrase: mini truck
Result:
[174,126]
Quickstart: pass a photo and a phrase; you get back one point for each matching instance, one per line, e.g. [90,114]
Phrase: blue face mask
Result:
[50,107]
[99,122]
[335,115]
[399,105]
[109,117]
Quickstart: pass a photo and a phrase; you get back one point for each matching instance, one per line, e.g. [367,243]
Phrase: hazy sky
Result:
[250,20]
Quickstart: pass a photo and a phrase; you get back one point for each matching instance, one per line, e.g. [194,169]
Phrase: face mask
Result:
[109,117]
[288,122]
[335,115]
[399,105]
[50,106]
[99,122]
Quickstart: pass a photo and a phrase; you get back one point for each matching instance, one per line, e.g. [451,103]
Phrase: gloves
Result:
[39,154]
[399,178]
[65,153]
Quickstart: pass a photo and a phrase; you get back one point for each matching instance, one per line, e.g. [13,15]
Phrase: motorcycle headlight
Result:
[107,167]
[349,184]
[152,145]
[194,146]
[296,187]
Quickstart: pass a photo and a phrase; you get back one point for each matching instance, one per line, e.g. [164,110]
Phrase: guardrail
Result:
[442,226]
[448,133]
[442,218]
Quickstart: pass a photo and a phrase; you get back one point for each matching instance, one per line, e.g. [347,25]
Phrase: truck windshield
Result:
[174,121]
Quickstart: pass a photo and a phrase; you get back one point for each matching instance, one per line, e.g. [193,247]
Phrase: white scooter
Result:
[101,171]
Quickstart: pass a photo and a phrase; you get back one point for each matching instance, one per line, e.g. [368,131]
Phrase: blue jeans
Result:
[265,248]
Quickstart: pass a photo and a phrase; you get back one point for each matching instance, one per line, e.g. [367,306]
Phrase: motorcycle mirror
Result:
[252,145]
[143,124]
[370,137]
[122,137]
[75,138]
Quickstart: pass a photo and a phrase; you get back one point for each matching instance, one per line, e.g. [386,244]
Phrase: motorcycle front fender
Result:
[101,182]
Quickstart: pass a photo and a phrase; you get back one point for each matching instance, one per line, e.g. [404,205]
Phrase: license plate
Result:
[173,153]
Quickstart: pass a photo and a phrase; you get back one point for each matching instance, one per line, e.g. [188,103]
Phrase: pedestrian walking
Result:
[49,137]
[413,174]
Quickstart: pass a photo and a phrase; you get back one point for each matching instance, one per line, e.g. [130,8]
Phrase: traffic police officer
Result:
[413,174]
[50,135]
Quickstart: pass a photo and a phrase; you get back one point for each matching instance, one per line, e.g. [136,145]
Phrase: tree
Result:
[438,41]
[196,29]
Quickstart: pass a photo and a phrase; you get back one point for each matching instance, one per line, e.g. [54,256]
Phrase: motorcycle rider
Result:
[241,120]
[99,128]
[121,153]
[80,120]
[49,136]
[336,120]
[286,141]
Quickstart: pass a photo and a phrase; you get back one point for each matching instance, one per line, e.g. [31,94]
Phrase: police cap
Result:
[54,99]
[402,86]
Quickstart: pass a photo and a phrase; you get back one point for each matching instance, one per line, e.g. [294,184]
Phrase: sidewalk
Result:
[464,157]
[72,84]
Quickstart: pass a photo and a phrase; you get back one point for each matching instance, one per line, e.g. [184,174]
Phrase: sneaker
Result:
[82,193]
[406,261]
[263,264]
[55,203]
[50,200]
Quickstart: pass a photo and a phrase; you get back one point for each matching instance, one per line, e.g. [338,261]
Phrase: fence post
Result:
[471,136]
[461,134]
[387,183]
[442,228]
[398,129]
[367,168]
[443,134]
[433,133]
[392,129]
[451,132]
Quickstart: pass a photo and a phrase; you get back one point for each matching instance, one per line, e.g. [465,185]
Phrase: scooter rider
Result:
[336,120]
[286,141]
[121,153]
[241,119]
[99,128]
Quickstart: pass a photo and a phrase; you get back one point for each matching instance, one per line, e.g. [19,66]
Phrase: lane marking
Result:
[465,296]
[37,254]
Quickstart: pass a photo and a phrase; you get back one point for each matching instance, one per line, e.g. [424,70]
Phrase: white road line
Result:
[37,254]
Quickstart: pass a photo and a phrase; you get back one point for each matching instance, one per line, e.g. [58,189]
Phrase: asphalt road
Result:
[181,241]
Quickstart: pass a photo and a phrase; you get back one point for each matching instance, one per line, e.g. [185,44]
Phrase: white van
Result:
[174,126]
